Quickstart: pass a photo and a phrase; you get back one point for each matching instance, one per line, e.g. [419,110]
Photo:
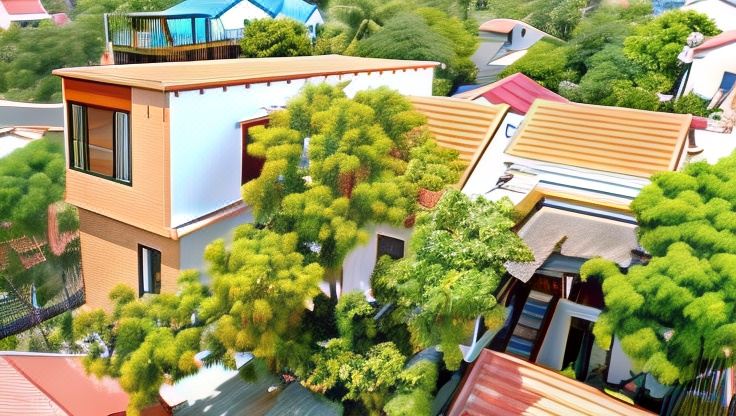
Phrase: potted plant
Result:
[432,168]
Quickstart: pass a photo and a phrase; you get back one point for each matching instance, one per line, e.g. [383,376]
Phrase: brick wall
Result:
[110,256]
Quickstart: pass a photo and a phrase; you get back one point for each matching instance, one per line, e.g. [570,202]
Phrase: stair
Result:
[527,328]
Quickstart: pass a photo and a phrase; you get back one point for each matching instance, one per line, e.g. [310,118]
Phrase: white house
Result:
[712,74]
[157,153]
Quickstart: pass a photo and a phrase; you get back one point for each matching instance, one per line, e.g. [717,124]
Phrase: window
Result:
[100,142]
[149,270]
[389,246]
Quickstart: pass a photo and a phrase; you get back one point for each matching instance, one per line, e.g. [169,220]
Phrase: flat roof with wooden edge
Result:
[501,385]
[610,139]
[461,125]
[183,76]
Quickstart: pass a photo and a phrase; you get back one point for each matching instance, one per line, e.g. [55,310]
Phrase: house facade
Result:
[721,11]
[195,30]
[156,154]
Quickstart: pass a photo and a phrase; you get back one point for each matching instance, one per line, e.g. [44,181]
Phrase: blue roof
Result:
[298,10]
[211,8]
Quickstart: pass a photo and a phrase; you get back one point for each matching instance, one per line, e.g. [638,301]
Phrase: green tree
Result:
[458,253]
[263,38]
[656,44]
[352,172]
[145,341]
[557,17]
[546,63]
[679,308]
[360,18]
[414,393]
[260,289]
[691,104]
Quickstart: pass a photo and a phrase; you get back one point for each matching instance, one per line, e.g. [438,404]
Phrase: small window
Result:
[100,142]
[149,270]
[389,246]
[523,32]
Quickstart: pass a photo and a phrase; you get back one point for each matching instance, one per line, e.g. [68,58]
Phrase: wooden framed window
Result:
[99,142]
[252,166]
[389,246]
[149,270]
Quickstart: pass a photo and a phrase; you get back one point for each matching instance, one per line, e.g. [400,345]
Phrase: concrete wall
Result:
[110,257]
[191,246]
[206,143]
[359,264]
[707,71]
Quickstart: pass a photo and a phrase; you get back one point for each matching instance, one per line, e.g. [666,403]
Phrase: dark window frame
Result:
[379,237]
[70,144]
[154,288]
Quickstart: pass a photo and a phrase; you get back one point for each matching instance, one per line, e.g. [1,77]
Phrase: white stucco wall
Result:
[234,18]
[525,41]
[205,134]
[721,12]
[707,70]
[359,264]
[315,19]
[191,246]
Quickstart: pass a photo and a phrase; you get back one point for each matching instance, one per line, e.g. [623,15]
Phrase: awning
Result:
[578,235]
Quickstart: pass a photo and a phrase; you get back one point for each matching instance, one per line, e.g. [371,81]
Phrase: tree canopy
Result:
[458,253]
[682,302]
[263,38]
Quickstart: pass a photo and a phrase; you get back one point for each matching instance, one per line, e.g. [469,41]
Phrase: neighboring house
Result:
[156,154]
[197,30]
[712,73]
[517,90]
[21,12]
[456,124]
[41,384]
[501,385]
[572,171]
[13,138]
[503,42]
[721,11]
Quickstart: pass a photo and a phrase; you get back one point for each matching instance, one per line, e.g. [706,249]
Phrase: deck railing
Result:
[150,37]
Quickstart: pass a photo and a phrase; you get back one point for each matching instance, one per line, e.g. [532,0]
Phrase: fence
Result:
[18,315]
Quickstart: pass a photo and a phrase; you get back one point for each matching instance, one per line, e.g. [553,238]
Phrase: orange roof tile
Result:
[500,25]
[502,385]
[609,139]
[461,125]
[175,76]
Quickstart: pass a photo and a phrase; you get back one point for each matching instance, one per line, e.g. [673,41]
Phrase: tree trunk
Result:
[332,276]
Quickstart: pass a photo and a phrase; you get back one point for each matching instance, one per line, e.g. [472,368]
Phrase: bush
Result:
[432,167]
[546,63]
[263,38]
[691,104]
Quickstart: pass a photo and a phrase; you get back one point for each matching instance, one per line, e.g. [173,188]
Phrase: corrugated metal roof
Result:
[176,76]
[609,139]
[517,90]
[502,385]
[298,10]
[64,382]
[211,8]
[461,125]
[18,396]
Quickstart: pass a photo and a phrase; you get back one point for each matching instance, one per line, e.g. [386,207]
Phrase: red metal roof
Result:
[518,91]
[23,6]
[502,385]
[58,383]
[723,39]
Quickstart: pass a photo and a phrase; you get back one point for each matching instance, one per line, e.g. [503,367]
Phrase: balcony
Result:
[159,37]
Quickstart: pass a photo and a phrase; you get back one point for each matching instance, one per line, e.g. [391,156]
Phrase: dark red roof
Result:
[699,123]
[518,91]
[23,6]
[723,39]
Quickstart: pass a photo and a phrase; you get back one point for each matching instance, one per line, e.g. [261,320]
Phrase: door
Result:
[251,166]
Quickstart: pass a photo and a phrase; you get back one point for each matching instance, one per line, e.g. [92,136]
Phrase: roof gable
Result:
[609,139]
[461,125]
[517,90]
